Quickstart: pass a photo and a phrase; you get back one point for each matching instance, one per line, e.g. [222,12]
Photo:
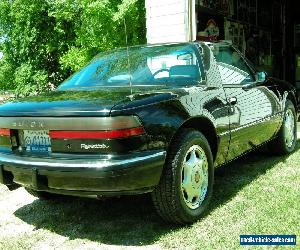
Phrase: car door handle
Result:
[232,100]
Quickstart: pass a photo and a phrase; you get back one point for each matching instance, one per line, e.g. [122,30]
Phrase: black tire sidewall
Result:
[289,105]
[193,138]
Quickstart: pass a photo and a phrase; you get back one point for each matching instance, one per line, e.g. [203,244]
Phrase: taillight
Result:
[110,134]
[5,132]
[119,127]
[7,138]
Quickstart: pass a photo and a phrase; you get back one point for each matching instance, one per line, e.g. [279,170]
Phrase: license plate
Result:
[37,140]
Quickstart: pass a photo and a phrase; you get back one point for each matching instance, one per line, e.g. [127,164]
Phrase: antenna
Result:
[128,60]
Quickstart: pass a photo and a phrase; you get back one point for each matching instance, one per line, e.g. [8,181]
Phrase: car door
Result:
[212,102]
[254,107]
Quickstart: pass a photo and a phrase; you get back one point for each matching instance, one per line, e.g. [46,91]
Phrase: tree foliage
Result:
[44,41]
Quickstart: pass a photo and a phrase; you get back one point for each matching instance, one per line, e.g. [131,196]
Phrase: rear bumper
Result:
[125,174]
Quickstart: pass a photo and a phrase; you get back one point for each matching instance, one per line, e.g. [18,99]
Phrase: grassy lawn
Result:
[256,194]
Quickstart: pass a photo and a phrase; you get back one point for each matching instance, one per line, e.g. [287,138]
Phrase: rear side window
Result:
[232,66]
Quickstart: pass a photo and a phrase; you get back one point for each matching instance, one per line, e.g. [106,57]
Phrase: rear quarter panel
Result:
[163,118]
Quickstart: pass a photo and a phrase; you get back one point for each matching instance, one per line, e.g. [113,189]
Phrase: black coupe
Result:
[153,118]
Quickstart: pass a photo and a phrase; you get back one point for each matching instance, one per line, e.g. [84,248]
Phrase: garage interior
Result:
[267,32]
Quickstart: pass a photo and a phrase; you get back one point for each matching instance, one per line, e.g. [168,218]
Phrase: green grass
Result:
[257,194]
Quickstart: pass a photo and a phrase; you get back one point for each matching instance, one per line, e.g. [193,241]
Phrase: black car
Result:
[155,118]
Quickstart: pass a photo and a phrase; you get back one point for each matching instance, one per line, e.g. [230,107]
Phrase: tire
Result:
[286,139]
[42,195]
[175,198]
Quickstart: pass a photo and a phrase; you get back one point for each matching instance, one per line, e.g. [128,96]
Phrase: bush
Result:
[45,41]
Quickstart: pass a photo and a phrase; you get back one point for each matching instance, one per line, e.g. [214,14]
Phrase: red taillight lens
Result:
[110,134]
[5,132]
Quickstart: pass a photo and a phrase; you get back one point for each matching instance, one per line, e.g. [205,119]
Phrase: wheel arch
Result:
[290,96]
[203,125]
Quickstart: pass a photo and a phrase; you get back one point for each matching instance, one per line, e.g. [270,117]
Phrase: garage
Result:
[267,32]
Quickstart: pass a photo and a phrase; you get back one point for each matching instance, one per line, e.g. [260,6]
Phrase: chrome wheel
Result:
[186,184]
[194,177]
[289,125]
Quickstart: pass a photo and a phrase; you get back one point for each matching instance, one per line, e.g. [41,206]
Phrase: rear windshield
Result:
[143,65]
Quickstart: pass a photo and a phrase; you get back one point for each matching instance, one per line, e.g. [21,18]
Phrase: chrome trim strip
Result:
[70,123]
[99,164]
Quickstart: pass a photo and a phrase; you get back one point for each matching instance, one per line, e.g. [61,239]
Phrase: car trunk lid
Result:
[66,103]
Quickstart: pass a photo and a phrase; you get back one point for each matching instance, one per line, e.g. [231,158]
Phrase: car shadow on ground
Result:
[132,221]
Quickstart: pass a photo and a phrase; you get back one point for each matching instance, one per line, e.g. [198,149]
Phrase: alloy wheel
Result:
[194,177]
[289,124]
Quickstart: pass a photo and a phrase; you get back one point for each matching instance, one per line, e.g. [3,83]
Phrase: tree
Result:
[45,41]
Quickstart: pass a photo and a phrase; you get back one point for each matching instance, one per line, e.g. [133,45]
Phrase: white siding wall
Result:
[169,20]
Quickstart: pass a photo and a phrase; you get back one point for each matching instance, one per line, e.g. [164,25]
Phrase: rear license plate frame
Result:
[37,141]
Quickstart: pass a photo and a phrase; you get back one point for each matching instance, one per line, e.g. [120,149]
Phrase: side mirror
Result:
[261,76]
